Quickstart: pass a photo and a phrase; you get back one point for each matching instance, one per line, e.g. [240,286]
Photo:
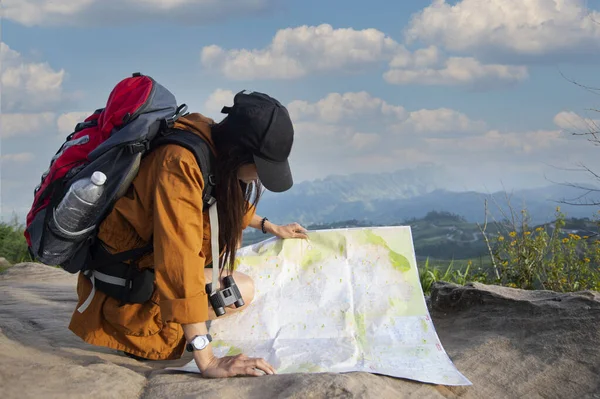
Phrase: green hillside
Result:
[443,236]
[439,235]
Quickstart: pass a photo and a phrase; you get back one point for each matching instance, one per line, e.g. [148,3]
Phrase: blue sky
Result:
[473,86]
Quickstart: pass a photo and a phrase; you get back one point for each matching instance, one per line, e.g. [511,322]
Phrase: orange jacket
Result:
[164,203]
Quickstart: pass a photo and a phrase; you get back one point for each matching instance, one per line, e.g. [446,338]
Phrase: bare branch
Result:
[593,90]
[592,203]
[588,189]
[487,242]
[590,171]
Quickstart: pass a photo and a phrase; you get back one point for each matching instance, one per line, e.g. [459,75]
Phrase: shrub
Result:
[13,246]
[545,257]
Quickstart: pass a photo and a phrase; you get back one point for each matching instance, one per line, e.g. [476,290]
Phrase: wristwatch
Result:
[199,342]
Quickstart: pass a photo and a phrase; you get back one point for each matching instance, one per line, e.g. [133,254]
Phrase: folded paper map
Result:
[345,300]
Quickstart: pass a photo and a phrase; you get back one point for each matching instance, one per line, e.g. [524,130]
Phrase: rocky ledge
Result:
[510,343]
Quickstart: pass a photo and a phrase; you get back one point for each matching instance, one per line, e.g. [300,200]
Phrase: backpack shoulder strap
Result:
[202,152]
[205,158]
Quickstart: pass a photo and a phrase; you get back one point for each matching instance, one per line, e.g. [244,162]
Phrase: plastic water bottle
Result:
[77,210]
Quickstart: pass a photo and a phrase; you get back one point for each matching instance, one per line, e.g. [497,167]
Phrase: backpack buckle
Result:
[84,125]
[209,200]
[211,180]
[181,110]
[138,147]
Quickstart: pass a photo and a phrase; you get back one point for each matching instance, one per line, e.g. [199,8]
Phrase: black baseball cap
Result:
[265,128]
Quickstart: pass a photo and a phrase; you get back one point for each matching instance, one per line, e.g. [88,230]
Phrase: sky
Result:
[483,89]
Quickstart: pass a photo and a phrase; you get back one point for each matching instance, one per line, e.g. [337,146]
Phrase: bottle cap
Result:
[98,178]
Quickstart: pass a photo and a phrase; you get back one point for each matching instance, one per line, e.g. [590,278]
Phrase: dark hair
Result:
[233,196]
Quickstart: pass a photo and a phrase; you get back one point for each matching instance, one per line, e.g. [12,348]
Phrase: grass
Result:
[13,246]
[452,273]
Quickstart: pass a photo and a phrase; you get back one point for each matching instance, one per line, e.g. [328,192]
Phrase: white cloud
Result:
[453,71]
[22,157]
[574,123]
[27,85]
[348,109]
[336,107]
[12,125]
[217,100]
[31,94]
[66,122]
[111,12]
[439,120]
[296,52]
[533,27]
[357,132]
[421,58]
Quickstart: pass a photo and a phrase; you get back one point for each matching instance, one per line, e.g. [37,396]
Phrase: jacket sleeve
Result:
[178,257]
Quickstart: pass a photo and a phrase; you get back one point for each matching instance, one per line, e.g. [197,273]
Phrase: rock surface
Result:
[510,343]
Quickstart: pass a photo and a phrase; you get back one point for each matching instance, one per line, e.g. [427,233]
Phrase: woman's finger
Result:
[252,372]
[260,364]
[299,227]
[266,366]
[245,370]
[302,235]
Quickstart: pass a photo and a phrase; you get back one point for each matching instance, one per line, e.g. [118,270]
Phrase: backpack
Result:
[138,117]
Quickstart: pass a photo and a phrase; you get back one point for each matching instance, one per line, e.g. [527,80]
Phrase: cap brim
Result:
[274,176]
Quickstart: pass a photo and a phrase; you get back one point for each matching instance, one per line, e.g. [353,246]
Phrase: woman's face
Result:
[247,173]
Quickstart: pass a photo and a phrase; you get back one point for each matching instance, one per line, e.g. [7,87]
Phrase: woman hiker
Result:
[164,207]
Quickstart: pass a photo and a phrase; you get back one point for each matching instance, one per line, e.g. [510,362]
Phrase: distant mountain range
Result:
[391,198]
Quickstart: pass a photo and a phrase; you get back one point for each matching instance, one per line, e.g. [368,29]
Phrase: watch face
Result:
[200,343]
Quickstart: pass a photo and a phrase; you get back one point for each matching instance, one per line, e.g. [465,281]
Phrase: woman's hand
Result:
[292,230]
[231,366]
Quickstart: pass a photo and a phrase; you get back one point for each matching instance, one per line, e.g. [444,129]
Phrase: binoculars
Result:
[225,297]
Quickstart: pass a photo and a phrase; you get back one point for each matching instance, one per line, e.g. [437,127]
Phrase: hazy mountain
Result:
[389,198]
[336,197]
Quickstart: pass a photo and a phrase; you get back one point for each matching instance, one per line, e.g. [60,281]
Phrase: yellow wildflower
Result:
[501,238]
[565,240]
[539,229]
[527,233]
[512,233]
[586,260]
[586,237]
[513,243]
